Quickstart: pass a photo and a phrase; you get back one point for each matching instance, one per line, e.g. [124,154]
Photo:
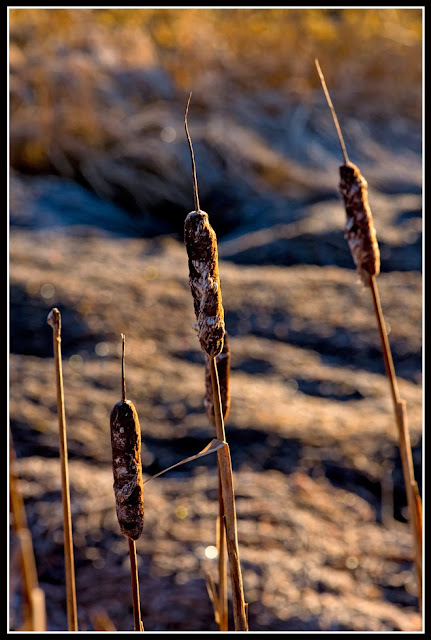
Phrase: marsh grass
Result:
[59,54]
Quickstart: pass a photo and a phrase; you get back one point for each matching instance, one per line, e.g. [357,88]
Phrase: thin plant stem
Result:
[387,355]
[123,367]
[192,156]
[226,477]
[334,115]
[34,596]
[413,499]
[54,320]
[221,530]
[138,626]
[222,561]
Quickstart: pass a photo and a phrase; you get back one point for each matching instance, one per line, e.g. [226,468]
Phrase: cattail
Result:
[126,466]
[201,244]
[360,232]
[361,236]
[223,370]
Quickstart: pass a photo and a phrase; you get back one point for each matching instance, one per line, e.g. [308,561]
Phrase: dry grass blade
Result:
[34,597]
[101,621]
[362,239]
[213,596]
[54,320]
[128,484]
[212,447]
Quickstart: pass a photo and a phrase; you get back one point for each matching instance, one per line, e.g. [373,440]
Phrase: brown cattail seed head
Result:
[201,243]
[223,370]
[127,470]
[360,232]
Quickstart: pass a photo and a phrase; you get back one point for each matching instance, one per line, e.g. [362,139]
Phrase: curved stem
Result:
[192,155]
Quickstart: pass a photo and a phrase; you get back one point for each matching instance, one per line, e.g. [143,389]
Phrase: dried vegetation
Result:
[97,101]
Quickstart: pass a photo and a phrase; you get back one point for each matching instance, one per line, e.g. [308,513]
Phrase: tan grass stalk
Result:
[34,597]
[128,484]
[102,621]
[138,626]
[223,370]
[54,320]
[201,243]
[226,478]
[361,236]
[222,596]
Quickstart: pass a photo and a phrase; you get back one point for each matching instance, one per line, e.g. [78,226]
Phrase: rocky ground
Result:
[324,544]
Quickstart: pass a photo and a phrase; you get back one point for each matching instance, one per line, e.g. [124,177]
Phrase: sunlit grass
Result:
[63,66]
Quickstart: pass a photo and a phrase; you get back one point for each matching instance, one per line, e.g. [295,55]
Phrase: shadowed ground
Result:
[100,185]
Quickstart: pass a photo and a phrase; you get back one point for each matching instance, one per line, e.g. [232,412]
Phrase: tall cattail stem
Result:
[413,498]
[238,602]
[226,478]
[361,236]
[387,355]
[54,320]
[221,531]
[218,411]
[138,626]
[222,561]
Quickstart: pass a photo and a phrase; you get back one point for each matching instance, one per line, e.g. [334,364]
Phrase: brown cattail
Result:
[201,243]
[223,370]
[126,466]
[360,232]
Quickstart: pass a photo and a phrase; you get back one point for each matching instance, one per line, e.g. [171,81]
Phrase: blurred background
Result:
[99,186]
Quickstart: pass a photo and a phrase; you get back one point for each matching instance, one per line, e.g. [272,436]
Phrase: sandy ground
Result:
[323,540]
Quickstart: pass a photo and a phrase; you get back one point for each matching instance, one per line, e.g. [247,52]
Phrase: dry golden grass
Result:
[64,67]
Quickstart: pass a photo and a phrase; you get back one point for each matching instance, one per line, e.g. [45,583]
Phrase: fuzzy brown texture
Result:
[201,243]
[223,370]
[127,469]
[360,231]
